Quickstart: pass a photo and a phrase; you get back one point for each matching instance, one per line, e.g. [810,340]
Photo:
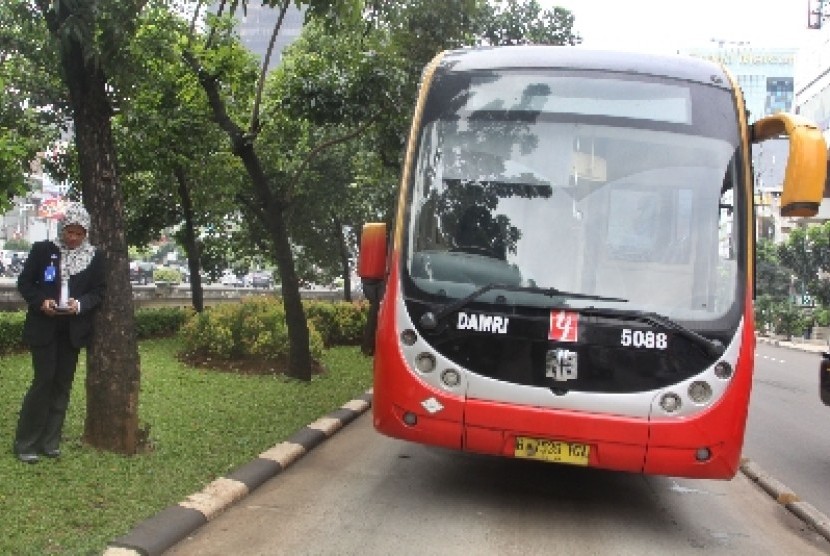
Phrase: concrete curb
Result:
[170,526]
[787,498]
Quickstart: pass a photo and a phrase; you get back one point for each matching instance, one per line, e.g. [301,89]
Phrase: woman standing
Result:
[62,283]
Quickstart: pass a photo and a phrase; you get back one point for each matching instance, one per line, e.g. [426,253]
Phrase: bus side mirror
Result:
[371,261]
[371,267]
[806,171]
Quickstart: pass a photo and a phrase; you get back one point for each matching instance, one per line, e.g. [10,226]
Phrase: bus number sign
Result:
[648,339]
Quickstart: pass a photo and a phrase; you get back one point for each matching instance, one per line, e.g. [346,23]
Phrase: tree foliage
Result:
[807,253]
[319,145]
[32,101]
[772,279]
[790,275]
[177,170]
[266,196]
[516,22]
[353,84]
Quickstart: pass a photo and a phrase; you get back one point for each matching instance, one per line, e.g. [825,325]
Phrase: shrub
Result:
[790,320]
[160,322]
[254,328]
[822,316]
[765,311]
[209,332]
[149,323]
[340,323]
[11,331]
[167,274]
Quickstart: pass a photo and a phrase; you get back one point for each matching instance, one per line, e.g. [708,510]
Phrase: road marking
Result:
[772,359]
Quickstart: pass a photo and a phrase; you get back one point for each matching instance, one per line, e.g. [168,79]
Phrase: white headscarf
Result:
[76,260]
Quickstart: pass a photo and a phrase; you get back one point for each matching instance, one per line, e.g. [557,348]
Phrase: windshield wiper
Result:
[712,348]
[430,320]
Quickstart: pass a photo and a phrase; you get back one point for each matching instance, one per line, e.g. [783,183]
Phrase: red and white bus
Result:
[569,276]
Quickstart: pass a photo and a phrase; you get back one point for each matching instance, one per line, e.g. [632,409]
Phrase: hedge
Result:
[149,323]
[255,326]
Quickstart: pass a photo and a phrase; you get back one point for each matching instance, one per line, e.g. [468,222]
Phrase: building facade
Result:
[34,216]
[767,78]
[256,26]
[812,82]
[766,75]
[812,94]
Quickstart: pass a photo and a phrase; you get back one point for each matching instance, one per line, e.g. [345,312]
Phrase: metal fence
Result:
[169,295]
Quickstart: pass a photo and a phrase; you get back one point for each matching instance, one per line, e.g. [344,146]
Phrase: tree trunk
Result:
[344,254]
[191,247]
[273,219]
[113,375]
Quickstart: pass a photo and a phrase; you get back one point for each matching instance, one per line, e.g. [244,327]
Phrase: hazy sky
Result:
[667,25]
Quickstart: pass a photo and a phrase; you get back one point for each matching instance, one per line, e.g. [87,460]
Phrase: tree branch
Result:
[195,18]
[212,30]
[253,207]
[254,127]
[328,143]
[220,112]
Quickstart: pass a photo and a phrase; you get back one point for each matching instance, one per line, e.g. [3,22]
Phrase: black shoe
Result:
[56,453]
[28,458]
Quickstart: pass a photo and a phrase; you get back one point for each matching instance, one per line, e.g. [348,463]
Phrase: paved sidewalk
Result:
[814,346]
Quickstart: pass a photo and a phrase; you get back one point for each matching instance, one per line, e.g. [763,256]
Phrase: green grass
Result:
[203,424]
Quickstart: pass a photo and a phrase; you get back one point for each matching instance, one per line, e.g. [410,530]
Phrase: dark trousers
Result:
[44,405]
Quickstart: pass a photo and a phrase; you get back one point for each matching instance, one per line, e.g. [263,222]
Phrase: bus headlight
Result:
[670,402]
[723,370]
[450,377]
[409,337]
[700,392]
[425,362]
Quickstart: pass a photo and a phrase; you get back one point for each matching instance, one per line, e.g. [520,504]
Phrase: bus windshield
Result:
[621,189]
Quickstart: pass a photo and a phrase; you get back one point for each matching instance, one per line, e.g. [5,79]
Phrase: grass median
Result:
[203,424]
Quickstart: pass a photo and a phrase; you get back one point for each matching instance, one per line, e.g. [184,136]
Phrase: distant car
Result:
[141,272]
[183,270]
[262,279]
[228,278]
[231,280]
[824,378]
[15,263]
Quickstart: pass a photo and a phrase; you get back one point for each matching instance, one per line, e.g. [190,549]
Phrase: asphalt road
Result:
[360,493]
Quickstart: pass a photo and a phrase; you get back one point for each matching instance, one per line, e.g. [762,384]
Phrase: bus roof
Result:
[572,58]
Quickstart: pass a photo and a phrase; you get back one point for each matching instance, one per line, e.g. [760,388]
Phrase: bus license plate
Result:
[552,450]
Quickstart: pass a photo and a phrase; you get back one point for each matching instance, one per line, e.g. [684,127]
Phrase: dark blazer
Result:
[87,287]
